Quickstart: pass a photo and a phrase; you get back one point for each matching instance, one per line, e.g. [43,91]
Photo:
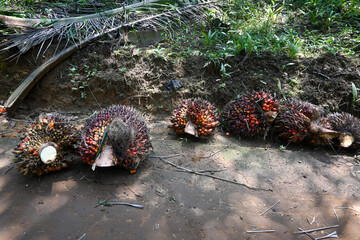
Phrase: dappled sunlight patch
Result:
[15,231]
[131,192]
[5,200]
[48,204]
[233,222]
[63,186]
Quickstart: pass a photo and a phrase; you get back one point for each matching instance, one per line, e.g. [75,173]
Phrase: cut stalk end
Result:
[48,152]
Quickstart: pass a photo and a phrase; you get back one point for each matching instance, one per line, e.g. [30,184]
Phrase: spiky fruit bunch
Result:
[311,111]
[44,144]
[130,139]
[291,125]
[249,115]
[195,116]
[346,124]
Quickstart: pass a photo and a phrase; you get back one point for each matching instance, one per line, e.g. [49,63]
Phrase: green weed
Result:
[354,93]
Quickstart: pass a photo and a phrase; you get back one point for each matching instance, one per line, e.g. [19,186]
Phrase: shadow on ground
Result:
[180,205]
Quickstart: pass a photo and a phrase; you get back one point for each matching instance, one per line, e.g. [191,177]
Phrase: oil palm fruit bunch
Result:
[118,136]
[310,110]
[291,125]
[249,115]
[346,126]
[44,144]
[195,116]
[295,120]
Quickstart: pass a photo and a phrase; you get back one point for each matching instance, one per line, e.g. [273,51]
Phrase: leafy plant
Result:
[293,46]
[160,53]
[210,37]
[282,148]
[79,84]
[122,70]
[354,93]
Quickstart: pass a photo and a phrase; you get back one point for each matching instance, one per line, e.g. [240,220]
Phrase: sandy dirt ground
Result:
[312,188]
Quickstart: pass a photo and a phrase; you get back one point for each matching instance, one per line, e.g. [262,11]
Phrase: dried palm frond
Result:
[80,31]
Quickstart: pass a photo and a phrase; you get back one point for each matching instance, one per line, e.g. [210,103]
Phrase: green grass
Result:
[296,28]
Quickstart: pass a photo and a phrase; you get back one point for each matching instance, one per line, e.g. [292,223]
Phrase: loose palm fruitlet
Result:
[118,133]
[346,125]
[250,115]
[195,116]
[44,144]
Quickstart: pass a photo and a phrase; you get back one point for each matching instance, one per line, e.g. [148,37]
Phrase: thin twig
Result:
[261,231]
[269,208]
[7,170]
[97,102]
[331,235]
[317,229]
[175,210]
[207,175]
[82,236]
[168,156]
[307,234]
[337,217]
[211,170]
[351,208]
[213,154]
[314,219]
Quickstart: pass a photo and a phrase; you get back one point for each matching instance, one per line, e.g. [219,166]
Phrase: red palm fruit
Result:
[123,130]
[291,125]
[310,110]
[195,116]
[44,145]
[249,115]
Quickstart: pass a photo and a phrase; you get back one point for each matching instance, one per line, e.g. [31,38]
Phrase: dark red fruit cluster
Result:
[293,119]
[200,112]
[309,110]
[344,123]
[291,125]
[248,116]
[96,127]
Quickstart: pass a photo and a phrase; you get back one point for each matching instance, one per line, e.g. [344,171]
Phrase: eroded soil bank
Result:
[310,183]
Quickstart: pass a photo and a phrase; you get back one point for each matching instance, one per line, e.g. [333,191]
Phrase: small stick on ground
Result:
[207,170]
[317,229]
[351,208]
[82,236]
[168,156]
[314,219]
[207,175]
[213,154]
[331,235]
[261,231]
[337,217]
[269,208]
[175,210]
[307,234]
[7,170]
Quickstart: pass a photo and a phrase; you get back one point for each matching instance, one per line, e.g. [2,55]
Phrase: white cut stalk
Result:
[106,158]
[48,154]
[346,140]
[191,129]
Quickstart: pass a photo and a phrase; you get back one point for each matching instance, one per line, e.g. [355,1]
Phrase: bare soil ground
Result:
[309,182]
